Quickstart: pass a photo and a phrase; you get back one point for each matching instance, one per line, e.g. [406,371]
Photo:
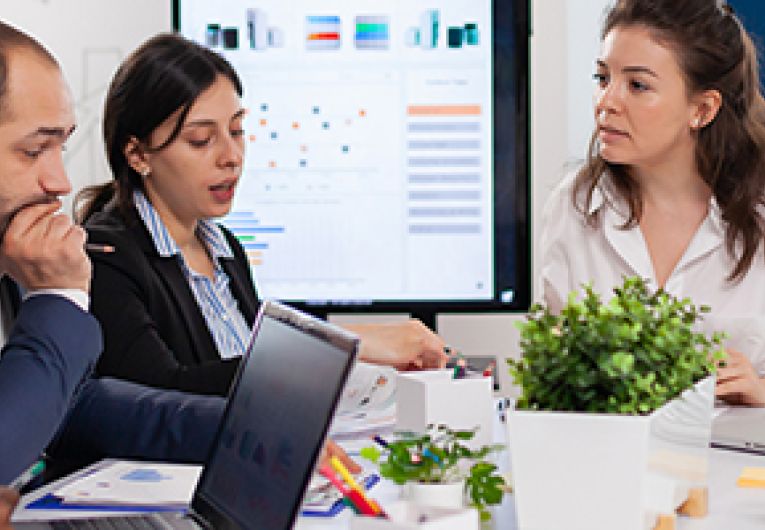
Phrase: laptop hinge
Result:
[201,521]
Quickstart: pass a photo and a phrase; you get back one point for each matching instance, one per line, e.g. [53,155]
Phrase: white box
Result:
[407,516]
[433,396]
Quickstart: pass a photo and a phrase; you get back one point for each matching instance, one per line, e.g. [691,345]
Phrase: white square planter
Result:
[607,471]
[433,396]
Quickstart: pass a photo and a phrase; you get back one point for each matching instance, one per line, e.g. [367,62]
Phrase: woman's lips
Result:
[610,134]
[223,192]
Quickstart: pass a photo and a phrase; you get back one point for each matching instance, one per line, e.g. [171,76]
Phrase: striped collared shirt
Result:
[225,321]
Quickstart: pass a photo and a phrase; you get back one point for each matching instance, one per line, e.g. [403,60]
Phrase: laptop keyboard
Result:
[111,523]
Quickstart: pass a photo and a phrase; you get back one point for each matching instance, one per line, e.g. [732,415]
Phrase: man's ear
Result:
[707,105]
[136,156]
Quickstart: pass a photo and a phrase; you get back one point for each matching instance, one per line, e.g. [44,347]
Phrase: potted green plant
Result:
[439,469]
[613,423]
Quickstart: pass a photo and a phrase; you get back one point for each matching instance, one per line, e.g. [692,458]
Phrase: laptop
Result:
[279,409]
[740,428]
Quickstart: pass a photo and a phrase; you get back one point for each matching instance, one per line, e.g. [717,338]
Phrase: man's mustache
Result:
[6,220]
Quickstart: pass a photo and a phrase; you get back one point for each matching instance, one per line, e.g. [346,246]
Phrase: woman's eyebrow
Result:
[639,70]
[204,122]
[199,123]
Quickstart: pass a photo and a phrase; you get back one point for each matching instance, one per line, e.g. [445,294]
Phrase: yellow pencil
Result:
[347,477]
[340,468]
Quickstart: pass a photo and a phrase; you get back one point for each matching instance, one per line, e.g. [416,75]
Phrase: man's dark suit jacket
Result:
[154,331]
[50,349]
[44,368]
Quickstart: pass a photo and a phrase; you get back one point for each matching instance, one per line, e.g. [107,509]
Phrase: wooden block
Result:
[665,522]
[697,503]
[752,477]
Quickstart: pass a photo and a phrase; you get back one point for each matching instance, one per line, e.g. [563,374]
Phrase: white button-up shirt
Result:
[574,253]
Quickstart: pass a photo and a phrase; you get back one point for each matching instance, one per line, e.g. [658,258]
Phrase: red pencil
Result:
[355,497]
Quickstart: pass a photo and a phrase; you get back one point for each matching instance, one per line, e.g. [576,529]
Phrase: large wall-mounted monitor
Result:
[752,15]
[387,149]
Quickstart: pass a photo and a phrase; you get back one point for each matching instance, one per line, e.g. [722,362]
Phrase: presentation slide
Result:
[368,169]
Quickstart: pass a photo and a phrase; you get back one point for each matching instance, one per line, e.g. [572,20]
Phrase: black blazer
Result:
[154,331]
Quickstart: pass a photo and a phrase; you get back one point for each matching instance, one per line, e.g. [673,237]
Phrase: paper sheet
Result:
[134,483]
[369,387]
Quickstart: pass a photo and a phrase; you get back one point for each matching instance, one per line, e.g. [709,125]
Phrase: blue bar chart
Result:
[253,236]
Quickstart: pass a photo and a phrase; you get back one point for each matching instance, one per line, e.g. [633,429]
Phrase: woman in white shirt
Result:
[673,186]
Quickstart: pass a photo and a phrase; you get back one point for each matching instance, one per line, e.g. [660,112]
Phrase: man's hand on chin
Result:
[42,249]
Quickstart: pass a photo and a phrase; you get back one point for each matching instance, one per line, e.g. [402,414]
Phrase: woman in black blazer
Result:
[154,331]
[174,138]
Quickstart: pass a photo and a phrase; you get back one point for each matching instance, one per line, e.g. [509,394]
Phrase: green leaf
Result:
[481,481]
[464,435]
[370,453]
[630,354]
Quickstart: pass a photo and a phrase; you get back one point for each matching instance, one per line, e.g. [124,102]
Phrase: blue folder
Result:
[51,502]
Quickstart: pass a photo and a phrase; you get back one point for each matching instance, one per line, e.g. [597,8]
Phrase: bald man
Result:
[51,342]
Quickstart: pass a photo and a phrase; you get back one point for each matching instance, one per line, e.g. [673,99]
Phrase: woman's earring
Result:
[145,172]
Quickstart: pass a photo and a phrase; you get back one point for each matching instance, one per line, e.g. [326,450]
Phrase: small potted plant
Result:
[613,425]
[438,469]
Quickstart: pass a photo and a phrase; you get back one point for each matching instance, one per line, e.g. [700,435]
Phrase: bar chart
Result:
[254,236]
[444,168]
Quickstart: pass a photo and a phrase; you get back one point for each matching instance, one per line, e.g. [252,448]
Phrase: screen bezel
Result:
[510,52]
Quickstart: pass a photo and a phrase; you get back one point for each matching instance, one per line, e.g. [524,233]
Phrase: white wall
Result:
[90,37]
[583,24]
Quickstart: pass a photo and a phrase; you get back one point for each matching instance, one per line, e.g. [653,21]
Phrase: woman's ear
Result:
[707,105]
[136,157]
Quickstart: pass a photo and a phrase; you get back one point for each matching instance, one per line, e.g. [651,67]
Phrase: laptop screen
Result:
[278,414]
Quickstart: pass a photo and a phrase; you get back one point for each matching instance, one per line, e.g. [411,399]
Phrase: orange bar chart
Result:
[443,110]
[445,168]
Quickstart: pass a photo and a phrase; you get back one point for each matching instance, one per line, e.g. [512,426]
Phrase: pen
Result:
[330,475]
[340,468]
[460,369]
[366,502]
[27,476]
[348,499]
[363,504]
[428,453]
[489,370]
[347,502]
[97,247]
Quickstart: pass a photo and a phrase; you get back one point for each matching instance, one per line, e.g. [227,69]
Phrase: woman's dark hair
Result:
[714,52]
[166,73]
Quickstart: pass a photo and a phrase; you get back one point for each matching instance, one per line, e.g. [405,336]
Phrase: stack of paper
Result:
[134,483]
[363,425]
[369,387]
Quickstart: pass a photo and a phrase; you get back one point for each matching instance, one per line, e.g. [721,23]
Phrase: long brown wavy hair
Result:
[714,52]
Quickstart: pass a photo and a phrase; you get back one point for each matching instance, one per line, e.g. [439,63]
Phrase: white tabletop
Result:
[730,507]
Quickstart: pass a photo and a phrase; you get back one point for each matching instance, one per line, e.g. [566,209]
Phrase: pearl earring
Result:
[145,172]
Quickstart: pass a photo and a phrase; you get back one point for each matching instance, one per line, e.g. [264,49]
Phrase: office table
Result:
[730,507]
